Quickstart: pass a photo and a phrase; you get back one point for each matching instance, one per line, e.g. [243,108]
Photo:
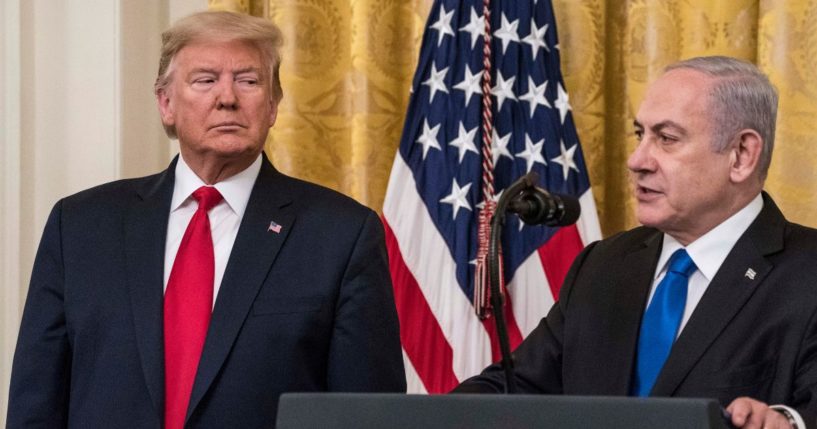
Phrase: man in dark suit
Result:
[744,329]
[271,284]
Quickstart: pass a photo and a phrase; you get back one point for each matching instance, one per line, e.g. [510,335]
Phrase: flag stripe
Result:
[426,256]
[531,295]
[423,341]
[413,382]
[588,224]
[557,255]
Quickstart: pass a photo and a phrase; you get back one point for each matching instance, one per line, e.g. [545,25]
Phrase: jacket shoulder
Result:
[318,198]
[802,236]
[108,195]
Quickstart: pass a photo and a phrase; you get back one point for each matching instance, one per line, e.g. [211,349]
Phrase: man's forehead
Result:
[674,97]
[217,51]
[217,57]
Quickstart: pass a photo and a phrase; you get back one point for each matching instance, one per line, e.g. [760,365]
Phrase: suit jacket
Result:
[751,334]
[306,309]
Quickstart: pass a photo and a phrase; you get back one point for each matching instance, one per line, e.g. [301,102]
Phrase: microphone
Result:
[535,206]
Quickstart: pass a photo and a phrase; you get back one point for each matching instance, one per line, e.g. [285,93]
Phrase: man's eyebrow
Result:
[213,71]
[249,69]
[662,125]
[669,124]
[203,70]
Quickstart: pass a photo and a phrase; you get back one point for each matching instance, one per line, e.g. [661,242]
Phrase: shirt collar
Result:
[710,250]
[236,189]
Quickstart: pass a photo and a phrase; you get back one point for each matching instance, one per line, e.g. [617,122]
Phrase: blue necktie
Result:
[661,321]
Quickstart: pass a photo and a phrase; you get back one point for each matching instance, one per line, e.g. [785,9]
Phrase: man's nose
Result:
[639,160]
[226,98]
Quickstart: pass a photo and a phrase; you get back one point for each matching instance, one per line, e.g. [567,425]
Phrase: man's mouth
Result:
[227,126]
[643,192]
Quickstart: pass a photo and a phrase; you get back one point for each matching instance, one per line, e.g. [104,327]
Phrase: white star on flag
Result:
[499,146]
[476,27]
[465,141]
[507,32]
[443,25]
[566,159]
[429,138]
[535,96]
[536,38]
[562,103]
[457,197]
[503,89]
[532,153]
[436,82]
[471,84]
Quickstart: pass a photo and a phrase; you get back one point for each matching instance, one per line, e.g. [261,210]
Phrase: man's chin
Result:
[649,217]
[228,148]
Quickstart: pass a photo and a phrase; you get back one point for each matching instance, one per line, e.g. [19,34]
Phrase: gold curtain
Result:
[348,66]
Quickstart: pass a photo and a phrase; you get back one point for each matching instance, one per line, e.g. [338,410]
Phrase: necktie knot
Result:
[207,197]
[680,263]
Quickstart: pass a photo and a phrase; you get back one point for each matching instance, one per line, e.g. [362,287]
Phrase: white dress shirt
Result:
[708,253]
[225,217]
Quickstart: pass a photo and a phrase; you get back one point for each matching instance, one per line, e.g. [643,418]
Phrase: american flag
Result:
[435,189]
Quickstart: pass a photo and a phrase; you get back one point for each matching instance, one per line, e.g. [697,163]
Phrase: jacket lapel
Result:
[252,256]
[145,232]
[729,290]
[615,356]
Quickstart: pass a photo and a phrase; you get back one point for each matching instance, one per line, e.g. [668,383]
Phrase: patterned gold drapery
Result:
[348,66]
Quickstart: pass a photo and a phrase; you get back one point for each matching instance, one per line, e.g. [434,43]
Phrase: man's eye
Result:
[639,134]
[667,139]
[204,81]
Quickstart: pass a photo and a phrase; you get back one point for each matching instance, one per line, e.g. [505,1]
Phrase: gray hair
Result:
[742,98]
[221,27]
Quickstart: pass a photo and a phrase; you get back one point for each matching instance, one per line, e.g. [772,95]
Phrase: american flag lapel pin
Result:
[274,227]
[750,273]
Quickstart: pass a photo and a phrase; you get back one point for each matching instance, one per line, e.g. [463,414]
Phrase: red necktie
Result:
[187,308]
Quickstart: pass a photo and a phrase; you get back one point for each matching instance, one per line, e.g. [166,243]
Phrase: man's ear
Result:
[745,155]
[165,107]
[273,114]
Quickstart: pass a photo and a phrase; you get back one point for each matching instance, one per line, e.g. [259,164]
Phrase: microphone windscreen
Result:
[572,210]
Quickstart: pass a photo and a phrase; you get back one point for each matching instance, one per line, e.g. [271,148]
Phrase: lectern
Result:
[396,411]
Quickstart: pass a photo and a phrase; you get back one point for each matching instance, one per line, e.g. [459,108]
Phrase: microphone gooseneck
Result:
[534,206]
